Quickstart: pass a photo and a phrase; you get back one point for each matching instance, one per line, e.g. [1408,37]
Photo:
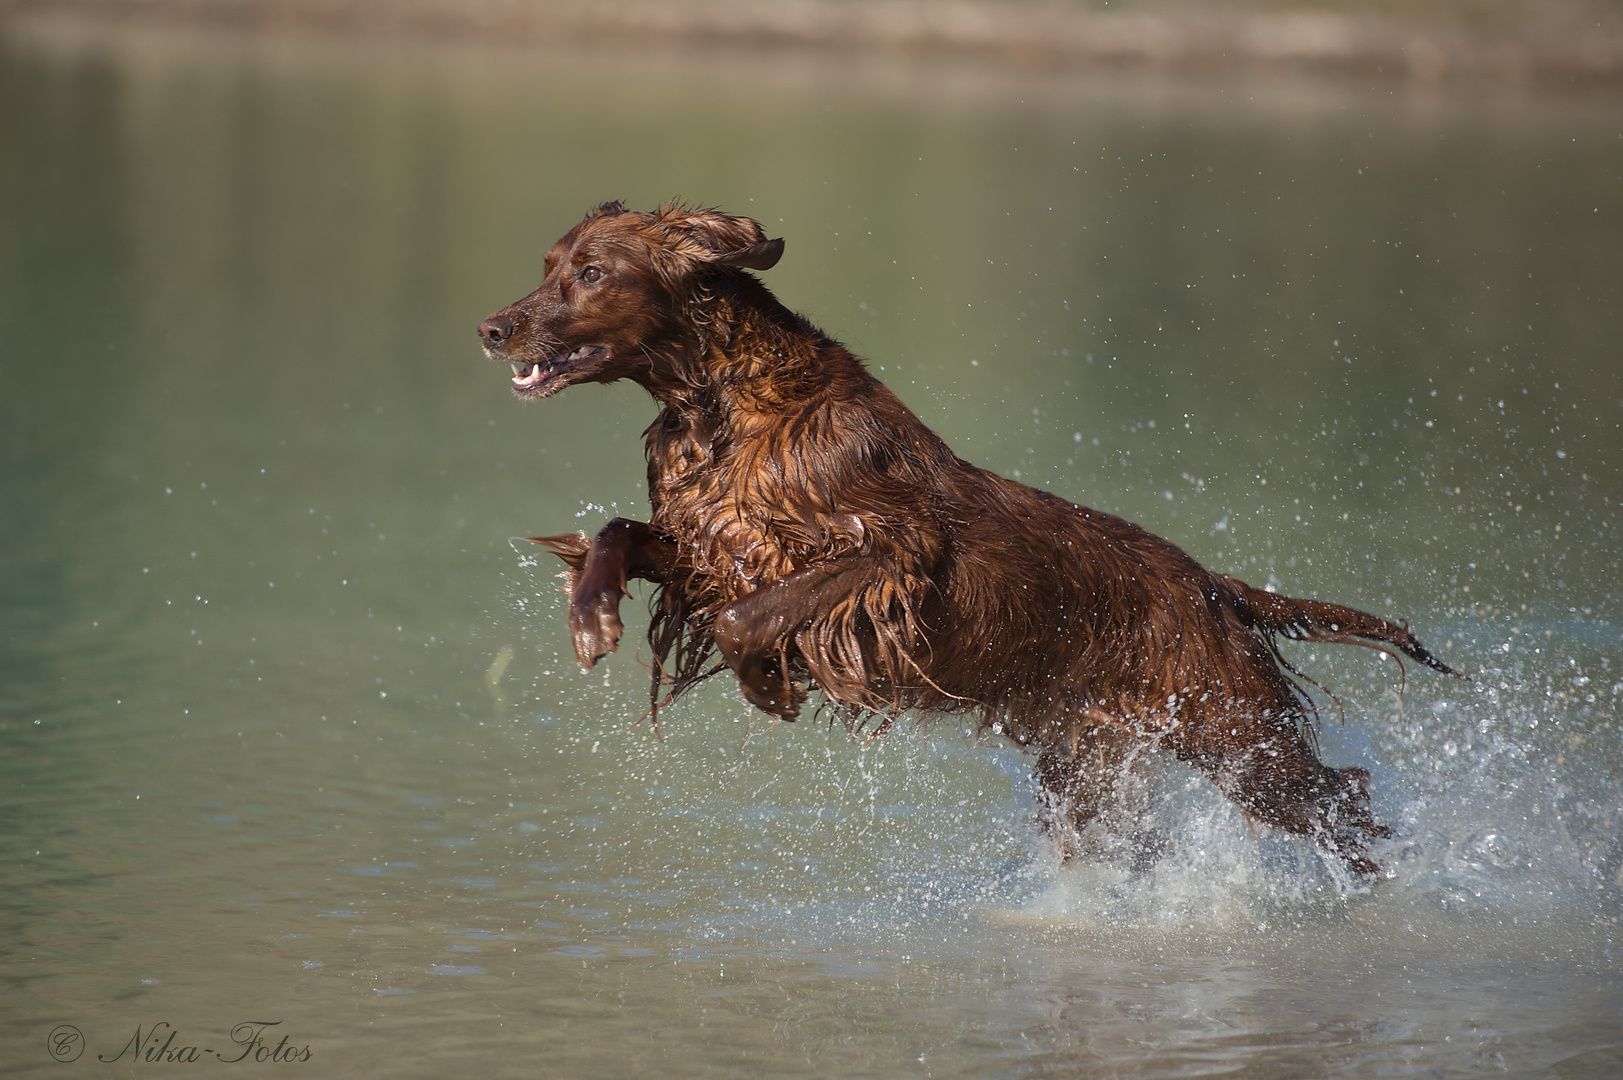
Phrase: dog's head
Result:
[616,302]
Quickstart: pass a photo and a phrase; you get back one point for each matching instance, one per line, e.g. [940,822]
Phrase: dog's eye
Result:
[592,275]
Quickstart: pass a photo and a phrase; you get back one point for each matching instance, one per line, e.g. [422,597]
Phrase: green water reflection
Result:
[260,757]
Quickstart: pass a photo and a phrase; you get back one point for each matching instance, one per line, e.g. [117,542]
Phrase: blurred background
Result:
[1429,40]
[290,729]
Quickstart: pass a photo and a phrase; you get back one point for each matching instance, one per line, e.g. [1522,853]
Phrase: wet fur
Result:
[807,530]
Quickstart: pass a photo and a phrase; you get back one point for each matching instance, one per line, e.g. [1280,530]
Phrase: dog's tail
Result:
[1314,620]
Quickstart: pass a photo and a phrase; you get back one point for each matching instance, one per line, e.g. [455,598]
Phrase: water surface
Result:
[289,731]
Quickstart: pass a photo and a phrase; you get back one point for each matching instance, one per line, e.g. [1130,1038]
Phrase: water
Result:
[292,733]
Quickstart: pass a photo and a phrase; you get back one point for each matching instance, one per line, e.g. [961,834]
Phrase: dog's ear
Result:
[695,239]
[762,256]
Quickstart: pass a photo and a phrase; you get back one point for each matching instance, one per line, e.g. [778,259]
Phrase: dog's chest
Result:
[709,494]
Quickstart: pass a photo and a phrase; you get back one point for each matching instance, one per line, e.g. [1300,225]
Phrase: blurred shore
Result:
[1572,41]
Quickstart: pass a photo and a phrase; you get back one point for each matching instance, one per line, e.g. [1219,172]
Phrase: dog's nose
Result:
[495,330]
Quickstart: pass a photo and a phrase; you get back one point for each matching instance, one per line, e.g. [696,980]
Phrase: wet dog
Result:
[811,530]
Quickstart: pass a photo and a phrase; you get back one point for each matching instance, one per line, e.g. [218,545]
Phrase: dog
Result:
[811,530]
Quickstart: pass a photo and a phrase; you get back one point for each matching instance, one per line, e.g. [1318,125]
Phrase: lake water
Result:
[291,734]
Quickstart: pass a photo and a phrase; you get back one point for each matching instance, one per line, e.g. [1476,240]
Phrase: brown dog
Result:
[812,530]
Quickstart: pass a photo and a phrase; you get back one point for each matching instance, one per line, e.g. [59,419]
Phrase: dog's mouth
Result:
[544,377]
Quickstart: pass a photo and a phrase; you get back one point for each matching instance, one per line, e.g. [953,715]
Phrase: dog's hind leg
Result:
[1275,776]
[597,576]
[1095,791]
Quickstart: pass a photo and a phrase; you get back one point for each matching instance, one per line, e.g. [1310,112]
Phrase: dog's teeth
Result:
[518,368]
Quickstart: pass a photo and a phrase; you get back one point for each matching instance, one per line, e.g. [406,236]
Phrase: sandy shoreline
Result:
[1424,41]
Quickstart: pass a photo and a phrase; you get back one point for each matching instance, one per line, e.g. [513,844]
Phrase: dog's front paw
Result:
[765,686]
[594,623]
[756,650]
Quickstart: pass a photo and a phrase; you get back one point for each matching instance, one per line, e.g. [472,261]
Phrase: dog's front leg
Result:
[596,579]
[756,632]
